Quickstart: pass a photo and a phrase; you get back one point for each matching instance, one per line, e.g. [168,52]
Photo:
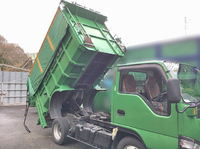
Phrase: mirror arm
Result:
[184,101]
[193,105]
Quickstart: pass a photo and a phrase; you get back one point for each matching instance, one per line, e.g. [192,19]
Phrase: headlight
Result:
[188,143]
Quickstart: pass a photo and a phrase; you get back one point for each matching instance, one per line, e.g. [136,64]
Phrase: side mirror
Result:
[173,90]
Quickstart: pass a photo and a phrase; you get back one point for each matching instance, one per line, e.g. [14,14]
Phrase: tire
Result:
[60,129]
[130,143]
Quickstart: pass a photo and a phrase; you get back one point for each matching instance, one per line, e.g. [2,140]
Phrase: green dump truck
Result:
[153,104]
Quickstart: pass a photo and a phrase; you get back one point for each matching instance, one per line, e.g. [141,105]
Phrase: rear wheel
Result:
[130,143]
[60,129]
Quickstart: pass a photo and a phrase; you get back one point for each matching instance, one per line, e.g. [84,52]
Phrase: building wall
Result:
[186,50]
[13,87]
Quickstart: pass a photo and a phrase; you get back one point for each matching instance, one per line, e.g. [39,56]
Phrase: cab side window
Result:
[149,85]
[128,83]
[140,77]
[133,82]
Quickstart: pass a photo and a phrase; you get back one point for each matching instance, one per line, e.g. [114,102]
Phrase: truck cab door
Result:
[140,101]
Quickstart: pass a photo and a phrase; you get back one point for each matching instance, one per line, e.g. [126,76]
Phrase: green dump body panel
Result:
[76,53]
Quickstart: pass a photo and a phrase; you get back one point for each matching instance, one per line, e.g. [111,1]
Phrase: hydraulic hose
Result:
[25,115]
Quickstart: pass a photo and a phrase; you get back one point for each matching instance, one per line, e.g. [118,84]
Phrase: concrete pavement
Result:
[14,136]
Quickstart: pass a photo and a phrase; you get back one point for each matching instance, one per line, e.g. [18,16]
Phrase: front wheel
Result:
[60,129]
[130,143]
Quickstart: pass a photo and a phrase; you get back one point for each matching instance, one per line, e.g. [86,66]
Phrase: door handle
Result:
[121,112]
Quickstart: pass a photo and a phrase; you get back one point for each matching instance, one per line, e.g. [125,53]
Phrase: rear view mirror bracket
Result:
[192,105]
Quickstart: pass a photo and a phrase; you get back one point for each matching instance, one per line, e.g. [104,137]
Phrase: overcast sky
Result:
[25,22]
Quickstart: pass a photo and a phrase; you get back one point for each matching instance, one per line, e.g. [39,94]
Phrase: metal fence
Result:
[13,87]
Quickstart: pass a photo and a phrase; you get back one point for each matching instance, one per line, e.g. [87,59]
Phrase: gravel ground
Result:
[14,136]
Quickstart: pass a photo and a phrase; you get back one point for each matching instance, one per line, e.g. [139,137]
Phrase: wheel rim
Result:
[130,147]
[57,131]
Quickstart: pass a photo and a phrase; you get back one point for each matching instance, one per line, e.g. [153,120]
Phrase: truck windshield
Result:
[189,80]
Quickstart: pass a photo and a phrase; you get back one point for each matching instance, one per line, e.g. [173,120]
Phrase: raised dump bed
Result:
[76,53]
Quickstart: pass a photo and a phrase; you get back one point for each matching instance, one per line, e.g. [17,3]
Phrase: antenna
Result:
[185,25]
